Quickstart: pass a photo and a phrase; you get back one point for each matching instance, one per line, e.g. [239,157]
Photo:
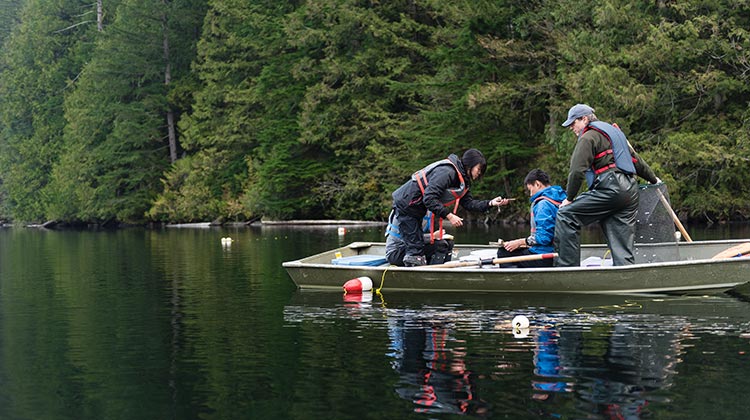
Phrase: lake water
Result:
[170,324]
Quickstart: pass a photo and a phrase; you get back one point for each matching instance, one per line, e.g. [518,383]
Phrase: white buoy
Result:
[226,241]
[520,332]
[342,231]
[520,322]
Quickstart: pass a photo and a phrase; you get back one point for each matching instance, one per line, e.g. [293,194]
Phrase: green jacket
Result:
[589,145]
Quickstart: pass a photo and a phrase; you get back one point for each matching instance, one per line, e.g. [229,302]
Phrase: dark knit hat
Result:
[472,158]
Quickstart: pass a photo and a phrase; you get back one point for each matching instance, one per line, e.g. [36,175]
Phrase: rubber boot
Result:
[414,261]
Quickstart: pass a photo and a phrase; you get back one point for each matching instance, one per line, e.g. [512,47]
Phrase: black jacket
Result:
[408,198]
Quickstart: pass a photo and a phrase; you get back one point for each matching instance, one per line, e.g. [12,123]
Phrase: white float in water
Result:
[520,332]
[520,322]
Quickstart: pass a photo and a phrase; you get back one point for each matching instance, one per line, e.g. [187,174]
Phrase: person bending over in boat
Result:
[440,188]
[545,200]
[609,164]
[438,246]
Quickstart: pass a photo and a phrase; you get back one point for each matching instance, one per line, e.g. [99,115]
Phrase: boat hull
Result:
[663,268]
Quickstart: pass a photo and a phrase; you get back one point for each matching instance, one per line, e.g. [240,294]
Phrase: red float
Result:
[358,285]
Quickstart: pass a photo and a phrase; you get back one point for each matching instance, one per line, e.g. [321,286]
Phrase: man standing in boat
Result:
[609,164]
[545,200]
[440,188]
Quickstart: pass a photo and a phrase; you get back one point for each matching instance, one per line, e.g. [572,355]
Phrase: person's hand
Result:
[565,203]
[499,201]
[514,244]
[455,220]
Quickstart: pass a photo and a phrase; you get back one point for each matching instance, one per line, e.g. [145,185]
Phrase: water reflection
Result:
[169,324]
[616,365]
[600,357]
[547,366]
[432,368]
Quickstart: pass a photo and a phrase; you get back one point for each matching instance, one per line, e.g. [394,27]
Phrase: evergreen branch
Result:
[72,26]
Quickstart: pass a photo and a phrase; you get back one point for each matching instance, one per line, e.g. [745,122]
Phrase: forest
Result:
[144,111]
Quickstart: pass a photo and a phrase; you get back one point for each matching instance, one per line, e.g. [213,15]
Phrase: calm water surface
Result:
[169,324]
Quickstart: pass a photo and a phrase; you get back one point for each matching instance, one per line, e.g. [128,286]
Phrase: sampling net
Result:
[654,223]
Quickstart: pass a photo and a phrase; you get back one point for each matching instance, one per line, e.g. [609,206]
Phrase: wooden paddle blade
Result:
[735,251]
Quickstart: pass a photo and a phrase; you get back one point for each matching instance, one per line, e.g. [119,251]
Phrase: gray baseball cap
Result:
[576,112]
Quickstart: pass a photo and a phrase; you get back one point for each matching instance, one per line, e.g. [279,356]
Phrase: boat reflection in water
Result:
[582,356]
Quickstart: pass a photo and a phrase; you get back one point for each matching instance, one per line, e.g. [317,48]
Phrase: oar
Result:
[504,260]
[674,216]
[740,250]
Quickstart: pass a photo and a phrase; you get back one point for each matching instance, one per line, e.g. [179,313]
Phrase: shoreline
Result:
[322,222]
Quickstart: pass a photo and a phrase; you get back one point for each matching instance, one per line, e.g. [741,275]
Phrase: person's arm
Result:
[513,245]
[580,162]
[544,217]
[641,167]
[478,206]
[470,204]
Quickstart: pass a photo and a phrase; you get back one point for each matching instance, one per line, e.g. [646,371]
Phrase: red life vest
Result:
[451,196]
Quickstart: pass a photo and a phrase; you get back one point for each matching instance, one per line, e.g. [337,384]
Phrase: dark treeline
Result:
[191,110]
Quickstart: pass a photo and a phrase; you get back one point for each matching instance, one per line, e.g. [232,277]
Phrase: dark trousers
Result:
[503,253]
[613,202]
[410,228]
[411,240]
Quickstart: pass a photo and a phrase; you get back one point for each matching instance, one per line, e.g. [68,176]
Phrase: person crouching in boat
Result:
[545,201]
[438,246]
[440,188]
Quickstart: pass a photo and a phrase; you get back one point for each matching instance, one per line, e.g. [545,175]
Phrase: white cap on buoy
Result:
[342,231]
[358,285]
[520,322]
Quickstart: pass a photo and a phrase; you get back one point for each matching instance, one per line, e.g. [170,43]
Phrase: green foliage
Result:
[115,149]
[9,17]
[320,109]
[189,195]
[37,66]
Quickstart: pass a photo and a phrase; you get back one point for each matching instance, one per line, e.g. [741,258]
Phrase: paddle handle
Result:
[503,260]
[520,258]
[674,217]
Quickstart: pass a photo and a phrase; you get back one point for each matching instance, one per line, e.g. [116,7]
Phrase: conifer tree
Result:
[116,136]
[244,115]
[40,58]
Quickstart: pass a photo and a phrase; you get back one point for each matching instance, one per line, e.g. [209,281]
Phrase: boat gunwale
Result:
[359,245]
